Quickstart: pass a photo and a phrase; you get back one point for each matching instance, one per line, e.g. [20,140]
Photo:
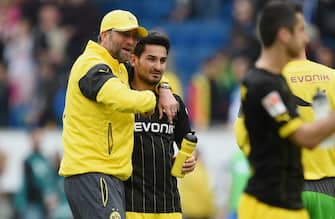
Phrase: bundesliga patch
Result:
[274,104]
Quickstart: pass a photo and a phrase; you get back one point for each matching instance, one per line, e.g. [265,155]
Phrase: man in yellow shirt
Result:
[99,118]
[305,78]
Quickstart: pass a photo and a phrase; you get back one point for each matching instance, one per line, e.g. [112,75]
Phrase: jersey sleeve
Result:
[182,126]
[278,102]
[118,96]
[241,134]
[91,83]
[100,84]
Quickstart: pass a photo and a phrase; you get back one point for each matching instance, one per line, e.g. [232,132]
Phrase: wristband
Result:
[164,86]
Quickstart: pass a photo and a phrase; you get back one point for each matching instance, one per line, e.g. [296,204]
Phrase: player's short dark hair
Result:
[153,38]
[276,14]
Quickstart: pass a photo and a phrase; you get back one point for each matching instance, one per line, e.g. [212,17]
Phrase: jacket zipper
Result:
[110,138]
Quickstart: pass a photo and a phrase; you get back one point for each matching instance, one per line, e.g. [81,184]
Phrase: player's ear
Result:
[284,35]
[133,59]
[102,35]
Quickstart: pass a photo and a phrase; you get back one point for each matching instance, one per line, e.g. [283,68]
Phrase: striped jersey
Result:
[152,188]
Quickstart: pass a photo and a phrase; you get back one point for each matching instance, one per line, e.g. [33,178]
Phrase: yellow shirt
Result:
[304,78]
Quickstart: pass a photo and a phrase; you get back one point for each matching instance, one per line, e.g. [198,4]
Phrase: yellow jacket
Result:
[98,117]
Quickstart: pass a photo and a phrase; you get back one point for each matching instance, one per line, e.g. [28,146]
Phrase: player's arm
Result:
[101,85]
[311,134]
[166,103]
[182,127]
[277,101]
[291,126]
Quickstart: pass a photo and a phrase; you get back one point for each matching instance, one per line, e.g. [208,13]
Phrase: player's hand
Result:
[189,164]
[167,104]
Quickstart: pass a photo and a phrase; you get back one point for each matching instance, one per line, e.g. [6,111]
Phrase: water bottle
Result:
[187,147]
[321,109]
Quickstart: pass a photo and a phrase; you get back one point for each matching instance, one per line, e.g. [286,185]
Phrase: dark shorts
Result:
[95,195]
[319,198]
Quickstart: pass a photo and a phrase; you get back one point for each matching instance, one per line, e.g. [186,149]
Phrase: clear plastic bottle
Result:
[187,147]
[321,109]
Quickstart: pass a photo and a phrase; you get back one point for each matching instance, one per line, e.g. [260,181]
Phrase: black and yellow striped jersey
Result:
[152,188]
[270,117]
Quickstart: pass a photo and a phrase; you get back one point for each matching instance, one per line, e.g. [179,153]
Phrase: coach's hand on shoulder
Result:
[167,104]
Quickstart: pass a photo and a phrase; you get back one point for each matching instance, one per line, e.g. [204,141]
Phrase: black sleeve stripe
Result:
[94,79]
[301,102]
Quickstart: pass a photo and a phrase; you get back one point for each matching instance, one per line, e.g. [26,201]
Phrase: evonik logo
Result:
[309,78]
[153,127]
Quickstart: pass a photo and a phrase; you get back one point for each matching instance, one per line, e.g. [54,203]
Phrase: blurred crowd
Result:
[40,39]
[40,194]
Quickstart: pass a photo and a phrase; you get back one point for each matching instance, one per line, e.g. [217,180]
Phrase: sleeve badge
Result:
[273,104]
